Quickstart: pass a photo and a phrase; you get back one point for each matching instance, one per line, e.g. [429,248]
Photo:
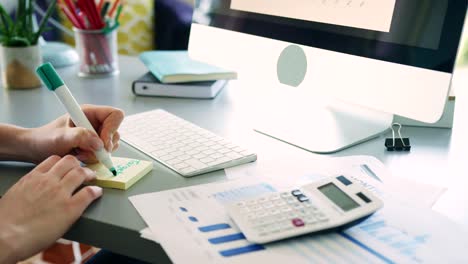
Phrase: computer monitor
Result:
[377,57]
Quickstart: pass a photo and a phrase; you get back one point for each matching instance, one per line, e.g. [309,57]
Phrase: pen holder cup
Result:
[97,50]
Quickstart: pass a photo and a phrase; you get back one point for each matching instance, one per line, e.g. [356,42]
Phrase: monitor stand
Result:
[321,126]
[310,121]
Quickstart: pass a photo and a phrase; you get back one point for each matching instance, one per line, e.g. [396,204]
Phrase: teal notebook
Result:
[178,67]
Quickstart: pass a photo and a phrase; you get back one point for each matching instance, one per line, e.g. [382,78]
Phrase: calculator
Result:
[333,202]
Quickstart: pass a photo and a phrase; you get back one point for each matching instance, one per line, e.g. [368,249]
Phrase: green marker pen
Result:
[54,83]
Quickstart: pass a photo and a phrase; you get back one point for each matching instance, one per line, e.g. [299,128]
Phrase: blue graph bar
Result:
[365,247]
[228,238]
[241,250]
[243,193]
[372,226]
[214,227]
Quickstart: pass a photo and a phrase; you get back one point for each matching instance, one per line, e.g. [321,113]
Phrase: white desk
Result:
[437,155]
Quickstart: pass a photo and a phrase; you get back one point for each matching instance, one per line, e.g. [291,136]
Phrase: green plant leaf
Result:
[43,23]
[6,21]
[29,22]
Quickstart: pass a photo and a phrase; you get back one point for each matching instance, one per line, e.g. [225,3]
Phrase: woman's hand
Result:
[42,206]
[61,137]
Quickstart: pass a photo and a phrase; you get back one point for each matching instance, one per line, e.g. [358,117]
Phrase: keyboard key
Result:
[224,150]
[181,165]
[184,157]
[207,160]
[199,156]
[192,152]
[247,153]
[166,157]
[233,155]
[209,152]
[173,161]
[165,137]
[216,156]
[223,159]
[187,170]
[216,147]
[195,163]
[177,153]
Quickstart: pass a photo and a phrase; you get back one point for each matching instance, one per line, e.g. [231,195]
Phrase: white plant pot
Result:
[18,66]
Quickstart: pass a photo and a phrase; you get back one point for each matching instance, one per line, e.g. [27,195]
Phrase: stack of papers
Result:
[192,225]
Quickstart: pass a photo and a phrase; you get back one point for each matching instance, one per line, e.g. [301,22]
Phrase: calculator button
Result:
[296,192]
[310,220]
[297,222]
[275,228]
[292,215]
[262,231]
[280,217]
[258,222]
[285,194]
[262,199]
[274,197]
[297,206]
[269,220]
[302,212]
[291,200]
[321,217]
[286,225]
[250,216]
[240,204]
[255,207]
[274,211]
[279,203]
[244,210]
[261,214]
[251,202]
[267,205]
[285,209]
[302,198]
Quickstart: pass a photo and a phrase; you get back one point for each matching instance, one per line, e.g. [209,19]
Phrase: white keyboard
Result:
[180,145]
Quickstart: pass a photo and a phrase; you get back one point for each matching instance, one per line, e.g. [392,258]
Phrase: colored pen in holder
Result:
[97,50]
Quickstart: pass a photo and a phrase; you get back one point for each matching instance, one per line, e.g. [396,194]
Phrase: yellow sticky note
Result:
[129,171]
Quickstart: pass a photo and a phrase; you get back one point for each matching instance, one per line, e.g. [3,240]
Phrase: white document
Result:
[147,234]
[366,14]
[193,227]
[293,172]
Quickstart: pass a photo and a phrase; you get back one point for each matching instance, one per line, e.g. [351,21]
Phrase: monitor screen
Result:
[420,33]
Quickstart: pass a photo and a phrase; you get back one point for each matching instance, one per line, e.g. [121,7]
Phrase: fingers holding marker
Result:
[86,156]
[83,138]
[115,141]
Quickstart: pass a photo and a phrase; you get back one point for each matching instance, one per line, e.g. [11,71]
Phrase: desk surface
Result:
[113,223]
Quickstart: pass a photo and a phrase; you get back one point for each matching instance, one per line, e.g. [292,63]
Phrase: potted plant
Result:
[20,53]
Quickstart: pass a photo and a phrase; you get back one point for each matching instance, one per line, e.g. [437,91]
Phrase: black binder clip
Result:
[397,144]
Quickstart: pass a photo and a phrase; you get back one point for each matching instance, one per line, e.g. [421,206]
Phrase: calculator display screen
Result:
[338,197]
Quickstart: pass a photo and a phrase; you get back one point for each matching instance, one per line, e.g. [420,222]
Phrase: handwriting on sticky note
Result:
[129,171]
[121,168]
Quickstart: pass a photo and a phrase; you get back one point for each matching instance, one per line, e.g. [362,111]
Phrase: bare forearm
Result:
[8,251]
[14,144]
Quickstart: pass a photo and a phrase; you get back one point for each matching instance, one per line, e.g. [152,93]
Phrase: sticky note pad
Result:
[129,171]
